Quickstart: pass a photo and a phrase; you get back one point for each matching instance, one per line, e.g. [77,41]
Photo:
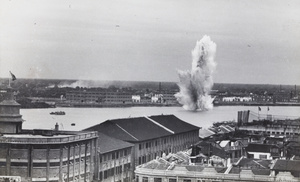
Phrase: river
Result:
[86,117]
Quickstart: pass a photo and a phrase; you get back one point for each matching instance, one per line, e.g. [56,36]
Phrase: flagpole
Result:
[9,83]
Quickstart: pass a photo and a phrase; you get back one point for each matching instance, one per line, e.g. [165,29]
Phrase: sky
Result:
[257,41]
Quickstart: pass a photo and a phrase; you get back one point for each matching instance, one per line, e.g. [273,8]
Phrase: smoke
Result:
[195,85]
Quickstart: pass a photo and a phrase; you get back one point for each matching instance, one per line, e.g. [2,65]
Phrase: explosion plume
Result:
[195,85]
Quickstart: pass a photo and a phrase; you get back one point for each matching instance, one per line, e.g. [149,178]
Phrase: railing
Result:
[47,140]
[199,175]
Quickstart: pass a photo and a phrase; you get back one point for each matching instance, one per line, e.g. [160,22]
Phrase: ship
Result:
[58,113]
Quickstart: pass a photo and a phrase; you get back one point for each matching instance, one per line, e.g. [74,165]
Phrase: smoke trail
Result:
[196,84]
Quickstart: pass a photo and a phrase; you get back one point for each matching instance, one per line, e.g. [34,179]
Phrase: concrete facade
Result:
[48,158]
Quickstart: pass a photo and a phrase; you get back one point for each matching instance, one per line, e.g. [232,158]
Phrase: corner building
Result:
[43,155]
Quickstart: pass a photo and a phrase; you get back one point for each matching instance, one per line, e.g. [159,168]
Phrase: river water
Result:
[86,117]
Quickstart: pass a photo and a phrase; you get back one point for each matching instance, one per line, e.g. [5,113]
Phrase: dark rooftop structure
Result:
[266,148]
[133,129]
[292,166]
[109,144]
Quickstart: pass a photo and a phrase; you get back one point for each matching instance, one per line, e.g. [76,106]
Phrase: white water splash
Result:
[196,84]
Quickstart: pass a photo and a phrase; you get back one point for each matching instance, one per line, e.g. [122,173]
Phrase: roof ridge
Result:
[126,132]
[160,125]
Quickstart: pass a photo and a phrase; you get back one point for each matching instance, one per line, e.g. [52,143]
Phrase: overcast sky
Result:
[149,40]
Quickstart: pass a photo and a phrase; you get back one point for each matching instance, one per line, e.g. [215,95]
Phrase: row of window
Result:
[165,140]
[115,155]
[114,171]
[44,164]
[149,157]
[145,179]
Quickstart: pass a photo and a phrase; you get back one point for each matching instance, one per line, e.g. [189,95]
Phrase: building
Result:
[98,96]
[234,148]
[175,168]
[83,96]
[267,124]
[151,136]
[114,159]
[43,155]
[263,151]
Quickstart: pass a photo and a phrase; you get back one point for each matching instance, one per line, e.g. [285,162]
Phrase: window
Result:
[105,174]
[157,180]
[187,180]
[172,180]
[263,156]
[117,154]
[145,179]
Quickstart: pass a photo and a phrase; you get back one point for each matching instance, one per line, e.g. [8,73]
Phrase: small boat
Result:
[58,113]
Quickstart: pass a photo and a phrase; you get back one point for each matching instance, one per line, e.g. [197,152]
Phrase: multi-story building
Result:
[175,168]
[43,155]
[269,125]
[93,97]
[114,159]
[151,136]
[83,96]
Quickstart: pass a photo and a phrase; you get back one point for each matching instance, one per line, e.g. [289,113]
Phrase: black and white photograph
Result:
[149,90]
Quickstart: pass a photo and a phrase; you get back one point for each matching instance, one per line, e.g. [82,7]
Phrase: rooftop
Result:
[46,137]
[143,128]
[108,144]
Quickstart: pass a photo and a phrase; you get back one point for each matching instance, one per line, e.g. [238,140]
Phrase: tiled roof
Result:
[261,171]
[194,168]
[211,148]
[254,163]
[143,128]
[287,165]
[204,133]
[107,144]
[173,123]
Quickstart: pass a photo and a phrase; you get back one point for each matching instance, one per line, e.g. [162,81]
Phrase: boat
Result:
[58,113]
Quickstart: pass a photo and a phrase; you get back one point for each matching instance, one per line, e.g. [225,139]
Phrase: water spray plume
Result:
[195,85]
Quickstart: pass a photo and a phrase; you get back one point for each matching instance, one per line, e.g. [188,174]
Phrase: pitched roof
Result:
[108,144]
[287,165]
[204,133]
[173,123]
[254,163]
[143,128]
[254,147]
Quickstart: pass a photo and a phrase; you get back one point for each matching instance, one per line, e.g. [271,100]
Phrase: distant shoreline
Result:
[255,104]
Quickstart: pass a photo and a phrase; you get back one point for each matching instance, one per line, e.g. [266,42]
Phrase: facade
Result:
[98,96]
[43,155]
[263,151]
[36,156]
[234,148]
[151,136]
[85,96]
[236,99]
[114,159]
[268,125]
[175,168]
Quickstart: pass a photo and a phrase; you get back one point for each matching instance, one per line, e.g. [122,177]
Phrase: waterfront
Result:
[86,117]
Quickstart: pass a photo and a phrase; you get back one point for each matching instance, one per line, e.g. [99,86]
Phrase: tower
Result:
[10,118]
